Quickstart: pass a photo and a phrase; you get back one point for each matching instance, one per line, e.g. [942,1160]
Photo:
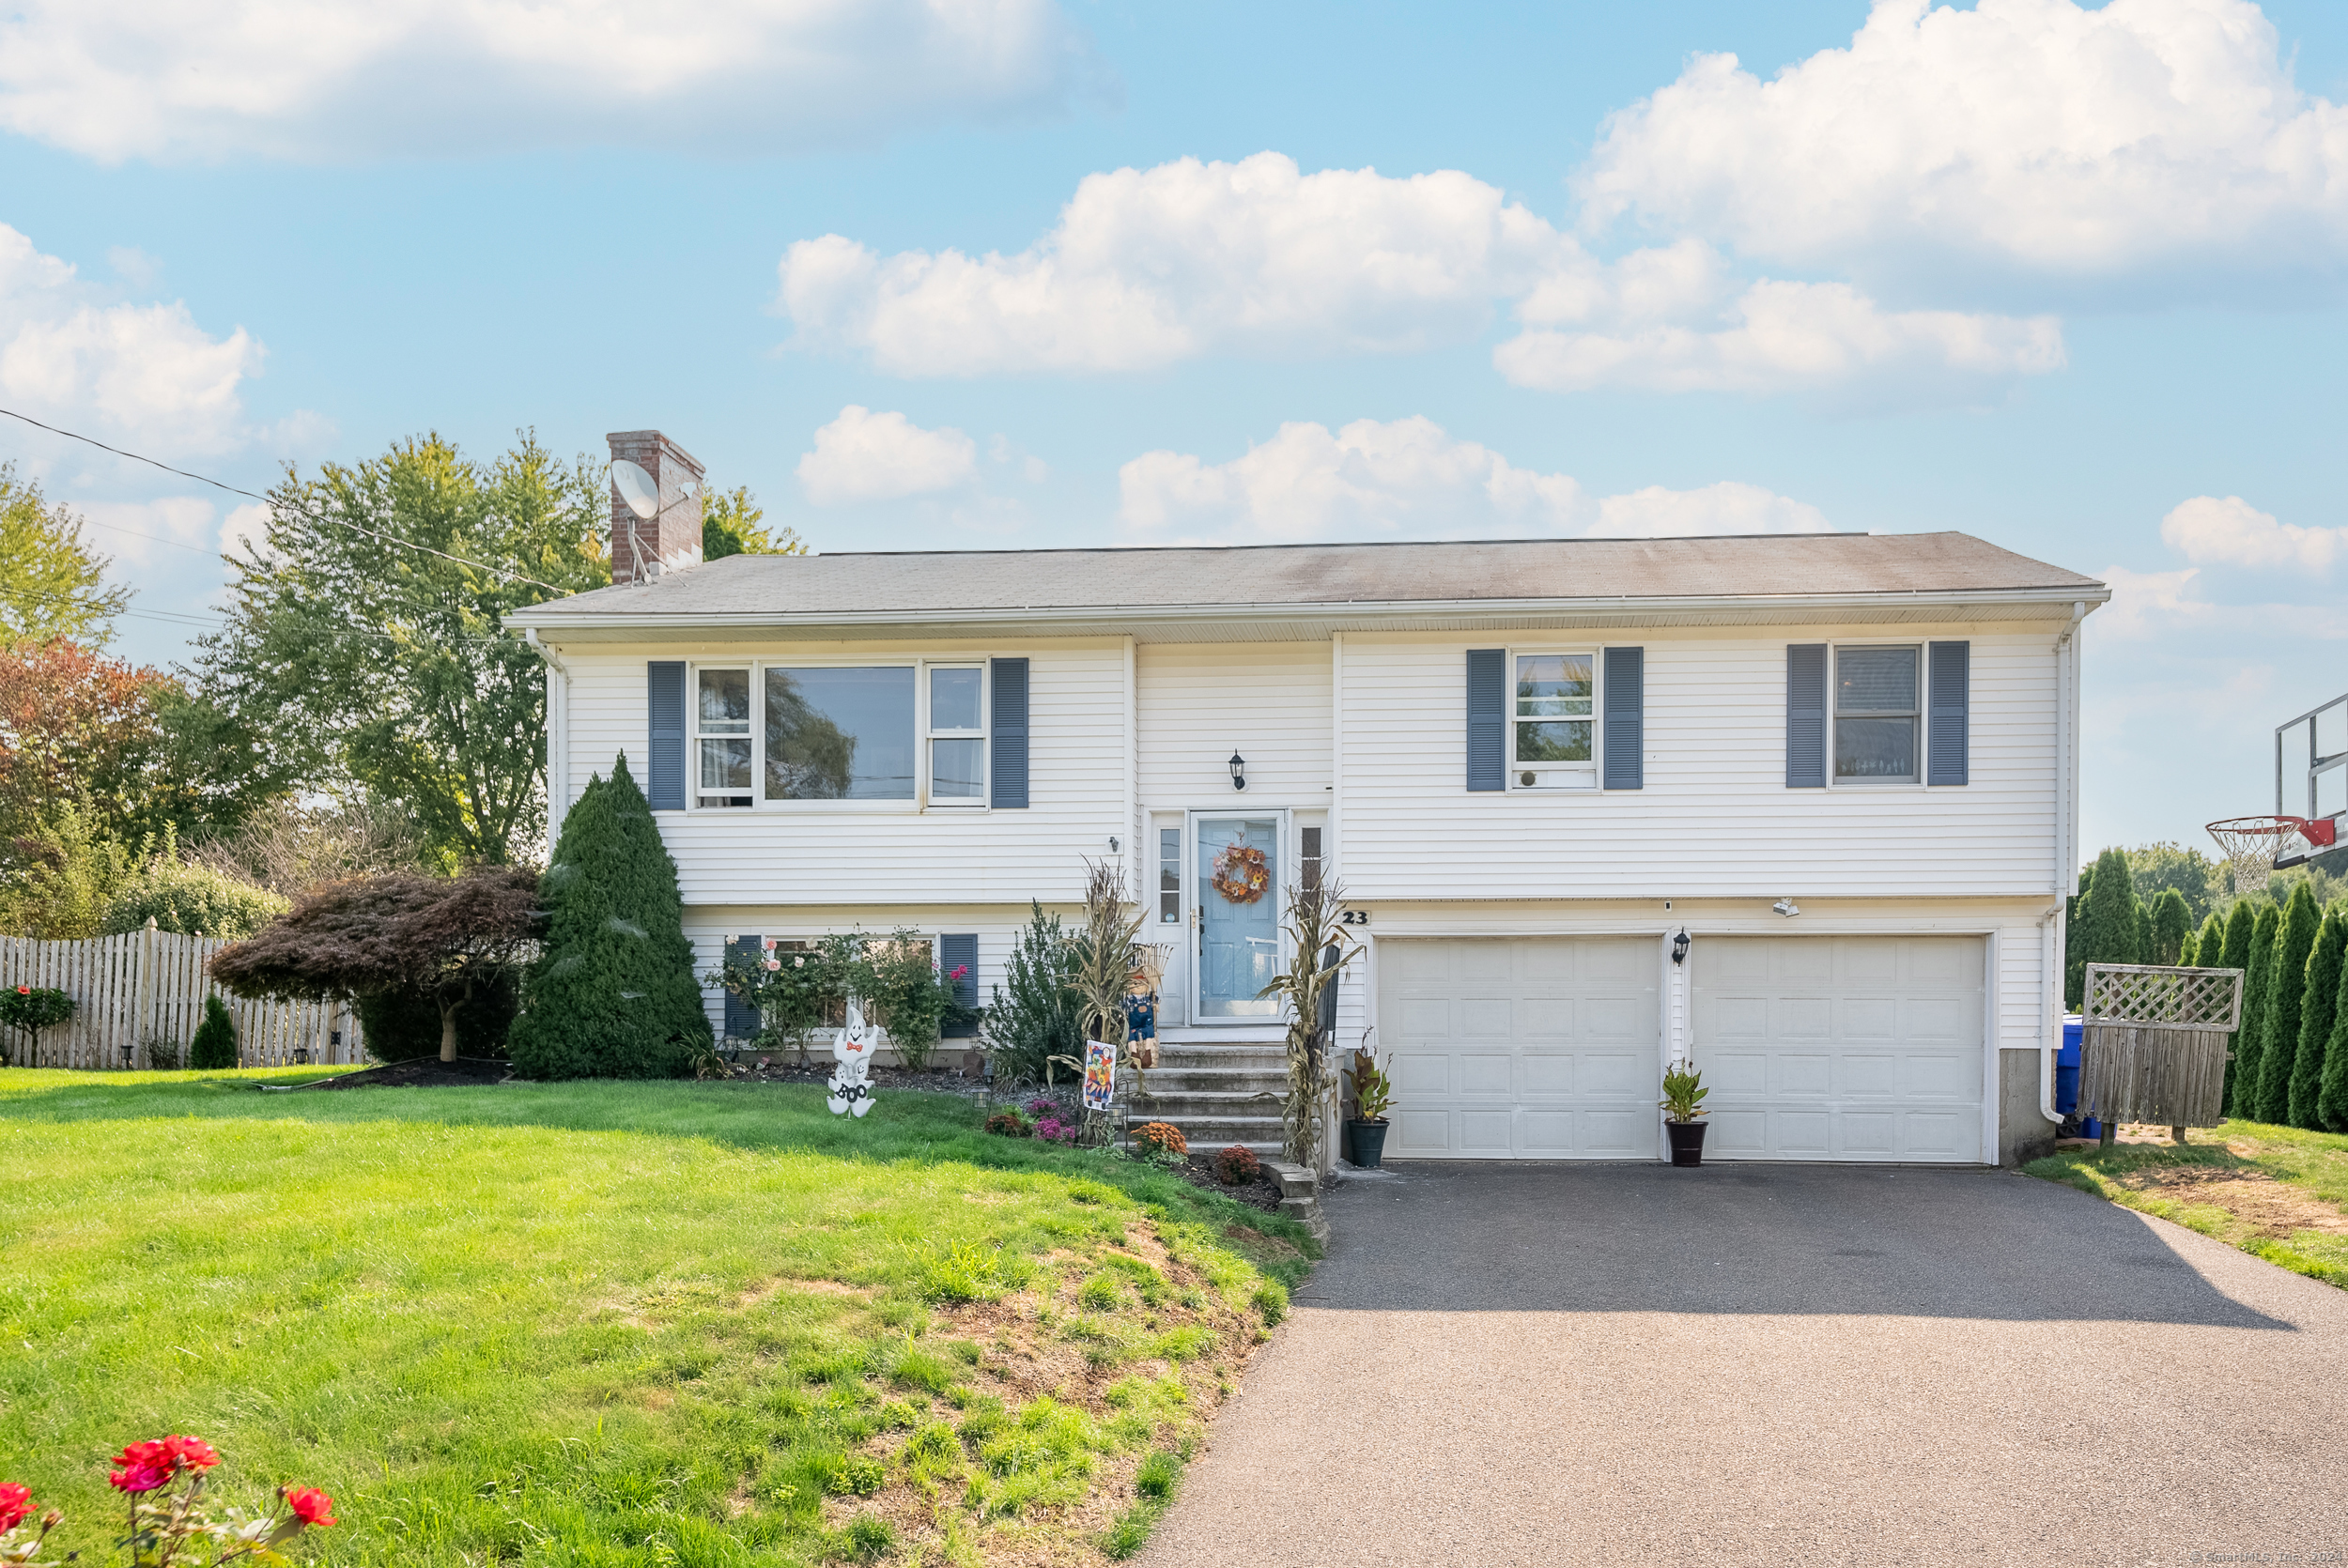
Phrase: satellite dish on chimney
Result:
[637,489]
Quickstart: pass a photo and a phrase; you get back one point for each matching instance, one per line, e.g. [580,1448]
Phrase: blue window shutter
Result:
[1805,715]
[664,777]
[1626,718]
[742,1020]
[1946,759]
[1487,718]
[961,952]
[1008,678]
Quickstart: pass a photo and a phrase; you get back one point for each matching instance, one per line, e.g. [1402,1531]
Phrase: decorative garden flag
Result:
[1099,1074]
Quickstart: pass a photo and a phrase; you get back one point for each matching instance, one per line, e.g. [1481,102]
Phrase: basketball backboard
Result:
[2311,763]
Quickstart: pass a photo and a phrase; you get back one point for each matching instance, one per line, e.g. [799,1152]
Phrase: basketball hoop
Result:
[2256,846]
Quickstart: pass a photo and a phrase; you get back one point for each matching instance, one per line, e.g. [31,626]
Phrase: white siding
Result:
[811,854]
[1715,816]
[1202,701]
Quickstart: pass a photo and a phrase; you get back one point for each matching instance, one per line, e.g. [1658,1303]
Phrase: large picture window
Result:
[840,733]
[1878,702]
[722,738]
[1555,723]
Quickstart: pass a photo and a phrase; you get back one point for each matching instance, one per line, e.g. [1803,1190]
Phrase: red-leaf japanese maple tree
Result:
[443,937]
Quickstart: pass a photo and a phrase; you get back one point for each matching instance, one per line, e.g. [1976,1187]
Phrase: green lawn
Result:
[2275,1192]
[640,1323]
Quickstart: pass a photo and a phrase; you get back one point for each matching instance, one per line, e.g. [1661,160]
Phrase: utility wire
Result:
[217,484]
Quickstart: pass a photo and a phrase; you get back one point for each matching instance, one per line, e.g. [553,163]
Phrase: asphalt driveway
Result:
[1505,1364]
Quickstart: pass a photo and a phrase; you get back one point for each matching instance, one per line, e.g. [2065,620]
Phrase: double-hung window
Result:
[957,734]
[1877,711]
[767,733]
[1554,724]
[721,737]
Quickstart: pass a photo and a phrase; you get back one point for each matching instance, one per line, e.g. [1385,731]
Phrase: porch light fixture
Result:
[1785,907]
[1239,771]
[1679,947]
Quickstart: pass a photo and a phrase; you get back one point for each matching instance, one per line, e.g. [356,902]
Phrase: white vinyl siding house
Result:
[1529,765]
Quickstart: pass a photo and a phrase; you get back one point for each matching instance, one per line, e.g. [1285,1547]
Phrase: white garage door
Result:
[1841,1046]
[1526,1049]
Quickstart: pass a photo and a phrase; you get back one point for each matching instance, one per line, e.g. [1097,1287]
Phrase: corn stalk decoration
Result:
[1106,957]
[1319,948]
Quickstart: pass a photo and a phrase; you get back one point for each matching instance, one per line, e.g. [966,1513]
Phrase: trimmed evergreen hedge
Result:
[613,993]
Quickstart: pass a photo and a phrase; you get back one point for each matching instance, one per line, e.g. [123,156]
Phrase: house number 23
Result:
[1353,917]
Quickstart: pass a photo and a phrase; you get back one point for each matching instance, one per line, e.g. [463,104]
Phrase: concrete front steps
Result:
[1218,1095]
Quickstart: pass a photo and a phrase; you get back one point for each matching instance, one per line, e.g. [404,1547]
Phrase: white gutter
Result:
[2057,923]
[558,736]
[549,615]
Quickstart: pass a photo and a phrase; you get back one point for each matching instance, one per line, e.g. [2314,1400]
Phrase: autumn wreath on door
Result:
[1240,874]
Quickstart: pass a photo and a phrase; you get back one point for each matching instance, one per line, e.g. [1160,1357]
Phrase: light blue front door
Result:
[1239,937]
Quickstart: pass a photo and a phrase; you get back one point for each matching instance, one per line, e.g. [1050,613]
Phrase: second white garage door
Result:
[1537,1048]
[1853,1048]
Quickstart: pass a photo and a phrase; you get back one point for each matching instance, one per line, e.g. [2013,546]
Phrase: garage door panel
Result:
[1619,1074]
[1894,1075]
[1547,1073]
[1525,1048]
[1485,1075]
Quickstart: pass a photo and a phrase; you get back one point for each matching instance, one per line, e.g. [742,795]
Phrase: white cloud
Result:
[1376,478]
[1151,266]
[1780,336]
[245,527]
[2232,532]
[2149,604]
[862,456]
[2036,134]
[311,79]
[146,374]
[1148,268]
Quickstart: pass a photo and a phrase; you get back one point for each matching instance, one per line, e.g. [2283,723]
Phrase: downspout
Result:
[558,735]
[2056,926]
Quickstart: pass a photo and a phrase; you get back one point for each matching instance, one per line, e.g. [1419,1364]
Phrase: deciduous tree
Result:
[443,937]
[729,526]
[52,583]
[366,643]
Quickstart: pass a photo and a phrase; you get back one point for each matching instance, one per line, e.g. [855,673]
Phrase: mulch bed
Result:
[1264,1193]
[424,1072]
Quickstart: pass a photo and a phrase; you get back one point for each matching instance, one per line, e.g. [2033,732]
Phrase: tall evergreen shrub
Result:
[1038,1016]
[2172,925]
[2240,923]
[2286,994]
[2315,1020]
[2242,1075]
[2110,914]
[612,993]
[214,1047]
[2074,941]
[2331,1107]
[2208,947]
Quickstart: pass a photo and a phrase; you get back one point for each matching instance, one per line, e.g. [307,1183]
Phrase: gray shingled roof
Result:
[1805,566]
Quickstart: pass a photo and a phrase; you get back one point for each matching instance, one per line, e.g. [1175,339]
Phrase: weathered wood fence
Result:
[149,986]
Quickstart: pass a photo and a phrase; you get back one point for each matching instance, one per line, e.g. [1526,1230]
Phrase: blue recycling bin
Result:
[2067,1075]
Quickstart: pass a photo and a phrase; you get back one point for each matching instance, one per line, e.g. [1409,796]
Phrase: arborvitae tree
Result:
[2109,914]
[2286,994]
[2240,924]
[2242,1075]
[2208,947]
[2074,941]
[2332,1099]
[2139,935]
[215,1043]
[2315,1020]
[2172,923]
[612,993]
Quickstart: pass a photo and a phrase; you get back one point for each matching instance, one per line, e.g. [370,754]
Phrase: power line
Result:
[218,484]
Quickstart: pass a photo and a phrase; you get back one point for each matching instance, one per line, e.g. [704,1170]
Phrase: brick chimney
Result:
[641,549]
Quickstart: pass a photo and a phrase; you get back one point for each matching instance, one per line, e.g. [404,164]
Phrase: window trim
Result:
[694,736]
[921,663]
[925,789]
[1512,770]
[1834,650]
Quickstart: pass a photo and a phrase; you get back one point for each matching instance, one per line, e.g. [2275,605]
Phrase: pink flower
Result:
[962,972]
[310,1505]
[149,1465]
[15,1503]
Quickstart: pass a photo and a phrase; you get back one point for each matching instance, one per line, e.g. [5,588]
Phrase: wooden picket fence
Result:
[150,986]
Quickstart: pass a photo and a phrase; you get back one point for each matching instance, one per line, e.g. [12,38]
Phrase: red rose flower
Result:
[310,1505]
[15,1503]
[139,1478]
[25,990]
[190,1454]
[149,1465]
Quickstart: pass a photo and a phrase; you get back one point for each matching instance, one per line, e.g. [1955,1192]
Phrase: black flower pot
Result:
[1687,1142]
[1366,1143]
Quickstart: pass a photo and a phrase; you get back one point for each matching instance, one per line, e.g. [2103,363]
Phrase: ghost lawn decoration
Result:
[853,1048]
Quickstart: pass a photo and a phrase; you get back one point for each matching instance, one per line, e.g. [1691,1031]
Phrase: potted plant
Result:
[1366,1134]
[1683,1103]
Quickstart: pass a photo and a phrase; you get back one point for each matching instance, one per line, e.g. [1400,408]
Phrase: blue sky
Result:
[2067,278]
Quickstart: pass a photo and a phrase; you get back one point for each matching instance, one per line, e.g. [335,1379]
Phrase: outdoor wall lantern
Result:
[1785,907]
[1679,947]
[1239,771]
